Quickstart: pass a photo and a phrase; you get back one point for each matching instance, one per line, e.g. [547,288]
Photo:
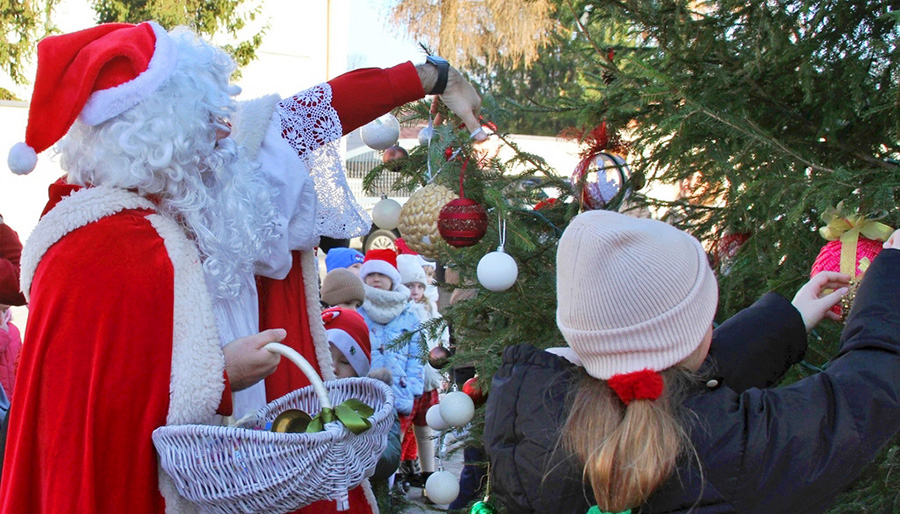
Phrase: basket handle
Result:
[306,368]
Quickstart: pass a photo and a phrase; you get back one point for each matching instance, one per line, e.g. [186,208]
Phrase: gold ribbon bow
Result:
[847,229]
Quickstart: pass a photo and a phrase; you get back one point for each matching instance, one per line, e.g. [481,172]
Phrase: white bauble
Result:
[381,133]
[442,487]
[457,408]
[497,271]
[434,420]
[386,214]
[425,134]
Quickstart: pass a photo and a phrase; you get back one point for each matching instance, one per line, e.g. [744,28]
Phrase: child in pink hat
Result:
[649,410]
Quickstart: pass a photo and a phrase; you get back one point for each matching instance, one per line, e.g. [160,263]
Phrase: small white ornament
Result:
[425,134]
[434,420]
[497,271]
[381,133]
[442,487]
[457,408]
[386,214]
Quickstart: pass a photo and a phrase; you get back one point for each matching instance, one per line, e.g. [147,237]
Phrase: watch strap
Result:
[443,68]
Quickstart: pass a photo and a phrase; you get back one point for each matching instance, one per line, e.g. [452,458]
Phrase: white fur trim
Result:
[344,342]
[75,211]
[251,122]
[197,363]
[370,496]
[383,267]
[21,159]
[109,103]
[310,268]
[196,386]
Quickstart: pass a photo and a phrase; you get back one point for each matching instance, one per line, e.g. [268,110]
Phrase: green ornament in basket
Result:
[248,469]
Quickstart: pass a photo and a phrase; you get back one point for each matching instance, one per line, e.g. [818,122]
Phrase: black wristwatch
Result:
[443,68]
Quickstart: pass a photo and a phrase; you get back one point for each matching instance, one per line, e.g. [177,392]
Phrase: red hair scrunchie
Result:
[645,384]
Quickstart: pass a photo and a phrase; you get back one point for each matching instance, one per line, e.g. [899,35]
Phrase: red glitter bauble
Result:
[462,222]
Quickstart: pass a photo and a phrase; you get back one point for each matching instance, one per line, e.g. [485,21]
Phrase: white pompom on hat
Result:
[632,294]
[93,75]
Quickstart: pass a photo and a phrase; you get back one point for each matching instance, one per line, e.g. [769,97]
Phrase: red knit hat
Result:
[348,332]
[93,74]
[381,261]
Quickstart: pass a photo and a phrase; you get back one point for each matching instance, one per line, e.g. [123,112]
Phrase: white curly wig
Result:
[166,147]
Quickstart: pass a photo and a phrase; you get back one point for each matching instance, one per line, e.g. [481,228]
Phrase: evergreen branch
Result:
[757,135]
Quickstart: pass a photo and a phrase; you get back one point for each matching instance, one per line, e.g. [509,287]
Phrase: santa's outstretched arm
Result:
[357,97]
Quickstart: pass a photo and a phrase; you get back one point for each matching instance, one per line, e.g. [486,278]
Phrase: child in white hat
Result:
[633,415]
[413,276]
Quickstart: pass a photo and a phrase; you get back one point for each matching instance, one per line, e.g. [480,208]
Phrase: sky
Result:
[373,42]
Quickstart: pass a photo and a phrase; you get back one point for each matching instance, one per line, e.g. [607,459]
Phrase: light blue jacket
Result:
[403,362]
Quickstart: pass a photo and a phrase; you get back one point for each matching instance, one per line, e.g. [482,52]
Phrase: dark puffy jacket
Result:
[782,450]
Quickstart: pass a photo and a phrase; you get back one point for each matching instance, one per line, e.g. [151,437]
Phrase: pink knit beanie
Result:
[631,293]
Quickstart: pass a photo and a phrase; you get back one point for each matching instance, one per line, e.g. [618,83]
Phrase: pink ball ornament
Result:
[829,259]
[442,487]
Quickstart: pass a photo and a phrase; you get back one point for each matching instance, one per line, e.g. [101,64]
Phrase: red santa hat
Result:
[93,74]
[348,332]
[381,261]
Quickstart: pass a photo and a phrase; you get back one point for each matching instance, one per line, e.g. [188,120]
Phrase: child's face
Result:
[342,367]
[355,268]
[349,305]
[416,291]
[379,281]
[429,273]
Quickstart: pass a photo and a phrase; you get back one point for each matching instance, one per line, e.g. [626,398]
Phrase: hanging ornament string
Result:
[434,119]
[430,128]
[501,231]
[462,175]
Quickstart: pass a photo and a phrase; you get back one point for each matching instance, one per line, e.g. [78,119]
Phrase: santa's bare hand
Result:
[246,362]
[460,97]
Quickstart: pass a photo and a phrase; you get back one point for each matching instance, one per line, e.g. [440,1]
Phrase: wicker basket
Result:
[247,469]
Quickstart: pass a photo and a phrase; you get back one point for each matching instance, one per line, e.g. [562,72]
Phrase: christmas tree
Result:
[764,115]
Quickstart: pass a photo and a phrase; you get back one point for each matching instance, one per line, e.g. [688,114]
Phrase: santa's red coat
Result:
[96,373]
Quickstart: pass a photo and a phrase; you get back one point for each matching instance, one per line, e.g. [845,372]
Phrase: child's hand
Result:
[893,241]
[810,302]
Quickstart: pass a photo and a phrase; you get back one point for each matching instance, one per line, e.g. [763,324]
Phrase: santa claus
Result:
[142,273]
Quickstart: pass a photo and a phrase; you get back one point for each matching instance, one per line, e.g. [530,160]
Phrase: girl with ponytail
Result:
[649,410]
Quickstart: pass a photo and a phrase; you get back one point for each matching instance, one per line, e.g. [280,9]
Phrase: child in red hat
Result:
[348,337]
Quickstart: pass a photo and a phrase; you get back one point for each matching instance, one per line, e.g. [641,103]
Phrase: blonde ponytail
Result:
[627,451]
